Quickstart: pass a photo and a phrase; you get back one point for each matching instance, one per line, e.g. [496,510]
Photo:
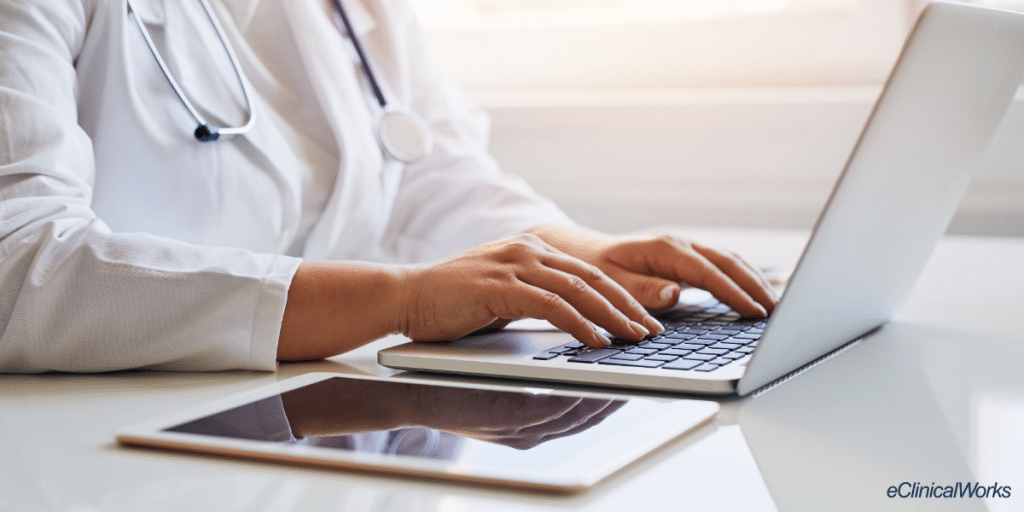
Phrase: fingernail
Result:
[653,325]
[601,339]
[764,312]
[667,292]
[638,329]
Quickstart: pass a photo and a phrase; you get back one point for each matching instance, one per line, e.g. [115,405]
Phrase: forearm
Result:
[336,307]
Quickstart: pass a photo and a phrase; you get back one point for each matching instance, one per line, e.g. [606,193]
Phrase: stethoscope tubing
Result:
[205,132]
[403,134]
[362,55]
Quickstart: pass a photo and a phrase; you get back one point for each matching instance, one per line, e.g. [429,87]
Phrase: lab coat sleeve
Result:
[457,198]
[74,296]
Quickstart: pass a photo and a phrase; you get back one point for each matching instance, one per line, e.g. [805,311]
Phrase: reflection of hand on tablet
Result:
[520,421]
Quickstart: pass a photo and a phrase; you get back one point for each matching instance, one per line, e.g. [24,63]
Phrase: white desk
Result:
[936,396]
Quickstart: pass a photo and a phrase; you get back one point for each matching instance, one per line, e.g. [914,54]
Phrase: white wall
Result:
[761,157]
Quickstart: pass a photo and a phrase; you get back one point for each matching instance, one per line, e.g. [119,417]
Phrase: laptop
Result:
[952,84]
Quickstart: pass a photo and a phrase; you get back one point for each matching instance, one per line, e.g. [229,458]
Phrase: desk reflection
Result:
[844,432]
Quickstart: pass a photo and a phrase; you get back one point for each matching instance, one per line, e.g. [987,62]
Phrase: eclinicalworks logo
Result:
[959,490]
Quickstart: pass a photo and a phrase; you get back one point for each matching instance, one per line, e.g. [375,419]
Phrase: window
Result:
[614,44]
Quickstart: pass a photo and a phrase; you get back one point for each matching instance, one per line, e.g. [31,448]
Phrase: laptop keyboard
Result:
[701,337]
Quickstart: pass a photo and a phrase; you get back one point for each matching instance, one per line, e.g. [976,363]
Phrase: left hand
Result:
[650,267]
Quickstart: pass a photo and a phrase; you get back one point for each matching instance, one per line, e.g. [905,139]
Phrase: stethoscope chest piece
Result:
[405,136]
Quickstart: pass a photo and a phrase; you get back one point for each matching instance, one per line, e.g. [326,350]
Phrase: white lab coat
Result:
[125,243]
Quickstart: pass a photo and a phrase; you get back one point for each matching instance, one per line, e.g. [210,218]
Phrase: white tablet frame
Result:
[577,474]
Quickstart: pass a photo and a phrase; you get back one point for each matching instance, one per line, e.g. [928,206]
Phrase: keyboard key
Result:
[730,331]
[568,347]
[734,355]
[669,341]
[626,344]
[662,357]
[680,335]
[706,367]
[701,342]
[675,352]
[713,336]
[713,351]
[721,361]
[688,346]
[692,330]
[628,357]
[748,336]
[654,345]
[593,354]
[640,363]
[682,364]
[745,350]
[643,351]
[544,356]
[727,346]
[699,357]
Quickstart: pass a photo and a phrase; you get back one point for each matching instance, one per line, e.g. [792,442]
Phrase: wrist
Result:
[333,307]
[400,292]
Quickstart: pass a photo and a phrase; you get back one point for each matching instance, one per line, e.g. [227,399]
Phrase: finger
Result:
[752,271]
[522,300]
[767,283]
[651,291]
[618,296]
[696,270]
[583,298]
[750,280]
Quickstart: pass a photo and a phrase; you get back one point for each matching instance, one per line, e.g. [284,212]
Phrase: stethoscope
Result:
[403,134]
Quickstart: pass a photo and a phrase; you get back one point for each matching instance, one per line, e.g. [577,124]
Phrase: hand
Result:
[518,278]
[650,267]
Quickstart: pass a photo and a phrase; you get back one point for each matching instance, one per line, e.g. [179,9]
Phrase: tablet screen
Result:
[482,433]
[413,420]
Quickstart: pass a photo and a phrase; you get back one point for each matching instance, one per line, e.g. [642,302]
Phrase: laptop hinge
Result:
[829,355]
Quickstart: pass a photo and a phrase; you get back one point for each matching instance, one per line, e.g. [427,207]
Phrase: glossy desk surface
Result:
[936,396]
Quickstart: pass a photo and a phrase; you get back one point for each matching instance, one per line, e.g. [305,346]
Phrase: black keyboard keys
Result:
[593,355]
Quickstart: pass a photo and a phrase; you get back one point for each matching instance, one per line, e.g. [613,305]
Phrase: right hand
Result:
[519,277]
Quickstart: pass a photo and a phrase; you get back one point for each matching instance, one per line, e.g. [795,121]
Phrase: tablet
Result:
[527,438]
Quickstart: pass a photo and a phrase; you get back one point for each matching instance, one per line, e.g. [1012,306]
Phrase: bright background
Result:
[632,113]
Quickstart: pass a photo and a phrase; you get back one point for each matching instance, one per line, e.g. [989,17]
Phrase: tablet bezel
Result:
[679,418]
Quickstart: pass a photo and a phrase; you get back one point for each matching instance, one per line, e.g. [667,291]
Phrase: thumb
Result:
[651,292]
